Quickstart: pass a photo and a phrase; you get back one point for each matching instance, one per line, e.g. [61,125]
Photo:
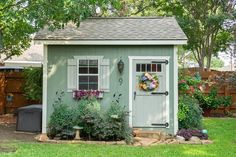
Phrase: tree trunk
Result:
[208,63]
[201,63]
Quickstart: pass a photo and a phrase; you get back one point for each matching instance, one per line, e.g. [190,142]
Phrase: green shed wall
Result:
[57,71]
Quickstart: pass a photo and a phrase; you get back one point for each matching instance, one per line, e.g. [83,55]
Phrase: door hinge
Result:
[161,93]
[165,61]
[161,125]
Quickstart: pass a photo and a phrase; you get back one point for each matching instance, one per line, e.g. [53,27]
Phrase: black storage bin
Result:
[29,118]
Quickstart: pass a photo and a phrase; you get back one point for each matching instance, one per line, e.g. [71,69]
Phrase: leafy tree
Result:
[33,83]
[19,19]
[138,8]
[201,20]
[185,56]
[217,63]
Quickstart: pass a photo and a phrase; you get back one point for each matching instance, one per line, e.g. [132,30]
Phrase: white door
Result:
[149,93]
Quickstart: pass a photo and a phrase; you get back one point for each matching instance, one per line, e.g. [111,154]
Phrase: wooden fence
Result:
[219,79]
[11,92]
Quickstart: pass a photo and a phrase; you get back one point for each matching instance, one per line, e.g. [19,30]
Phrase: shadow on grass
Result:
[7,149]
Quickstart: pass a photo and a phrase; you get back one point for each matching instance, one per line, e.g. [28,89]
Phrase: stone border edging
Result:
[138,141]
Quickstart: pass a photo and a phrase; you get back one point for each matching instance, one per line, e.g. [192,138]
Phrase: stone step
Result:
[148,134]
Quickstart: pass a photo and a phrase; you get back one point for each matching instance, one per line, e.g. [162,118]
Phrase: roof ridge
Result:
[135,17]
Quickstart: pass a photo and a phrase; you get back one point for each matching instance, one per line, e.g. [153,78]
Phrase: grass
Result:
[221,130]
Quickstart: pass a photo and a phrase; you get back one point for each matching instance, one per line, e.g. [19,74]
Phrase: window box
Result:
[79,94]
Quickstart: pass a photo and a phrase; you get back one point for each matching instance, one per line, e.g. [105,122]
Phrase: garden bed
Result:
[138,141]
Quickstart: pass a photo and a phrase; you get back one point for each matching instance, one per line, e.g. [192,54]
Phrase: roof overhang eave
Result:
[111,42]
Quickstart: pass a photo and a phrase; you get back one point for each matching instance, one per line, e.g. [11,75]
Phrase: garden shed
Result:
[135,57]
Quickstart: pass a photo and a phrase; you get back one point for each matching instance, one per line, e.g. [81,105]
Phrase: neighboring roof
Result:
[33,56]
[138,28]
[33,53]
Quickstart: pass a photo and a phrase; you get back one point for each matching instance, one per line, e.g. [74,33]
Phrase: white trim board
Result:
[131,58]
[111,42]
[45,76]
[175,58]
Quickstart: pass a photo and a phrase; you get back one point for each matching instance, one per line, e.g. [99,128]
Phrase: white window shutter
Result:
[105,75]
[71,74]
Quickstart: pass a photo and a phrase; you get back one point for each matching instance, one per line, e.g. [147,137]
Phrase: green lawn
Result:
[221,131]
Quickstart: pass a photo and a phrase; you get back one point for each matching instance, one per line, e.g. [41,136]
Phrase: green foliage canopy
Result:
[201,20]
[33,83]
[19,19]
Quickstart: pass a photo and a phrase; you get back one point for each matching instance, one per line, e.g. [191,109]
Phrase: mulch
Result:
[7,119]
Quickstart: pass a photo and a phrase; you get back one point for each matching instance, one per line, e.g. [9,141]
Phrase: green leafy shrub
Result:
[62,119]
[89,116]
[97,125]
[116,118]
[189,114]
[188,84]
[212,100]
[33,83]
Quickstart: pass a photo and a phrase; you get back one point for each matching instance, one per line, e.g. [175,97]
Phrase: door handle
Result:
[134,95]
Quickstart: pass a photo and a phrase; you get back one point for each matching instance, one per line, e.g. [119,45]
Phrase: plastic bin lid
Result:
[37,107]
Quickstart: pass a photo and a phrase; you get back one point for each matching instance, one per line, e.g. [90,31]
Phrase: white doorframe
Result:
[131,58]
[175,58]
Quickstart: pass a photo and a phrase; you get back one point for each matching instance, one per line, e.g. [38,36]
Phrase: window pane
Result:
[93,82]
[148,67]
[143,68]
[93,62]
[137,67]
[154,67]
[83,79]
[93,70]
[83,70]
[159,67]
[83,62]
[93,79]
[93,86]
[83,82]
[83,87]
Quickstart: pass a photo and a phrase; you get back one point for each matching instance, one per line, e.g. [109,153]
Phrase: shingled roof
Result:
[142,28]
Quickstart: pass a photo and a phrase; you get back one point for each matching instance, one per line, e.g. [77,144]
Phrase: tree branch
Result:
[143,8]
[13,5]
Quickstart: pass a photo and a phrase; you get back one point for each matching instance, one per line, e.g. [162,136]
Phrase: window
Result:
[148,67]
[88,74]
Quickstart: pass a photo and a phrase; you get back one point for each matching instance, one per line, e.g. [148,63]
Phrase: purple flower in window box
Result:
[79,94]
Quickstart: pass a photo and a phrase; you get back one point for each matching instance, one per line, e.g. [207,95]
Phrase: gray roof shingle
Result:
[142,28]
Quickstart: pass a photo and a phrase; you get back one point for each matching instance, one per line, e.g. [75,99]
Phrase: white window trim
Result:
[99,58]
